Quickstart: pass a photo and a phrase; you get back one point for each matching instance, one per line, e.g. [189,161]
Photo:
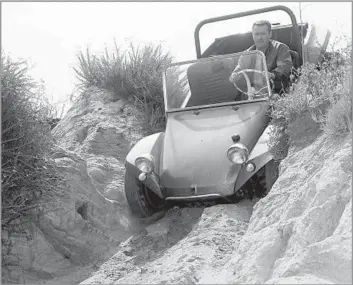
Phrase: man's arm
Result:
[284,62]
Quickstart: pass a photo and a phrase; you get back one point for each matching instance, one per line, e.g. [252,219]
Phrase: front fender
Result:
[261,146]
[151,144]
[260,156]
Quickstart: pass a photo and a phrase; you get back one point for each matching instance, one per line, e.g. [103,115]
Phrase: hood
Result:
[196,143]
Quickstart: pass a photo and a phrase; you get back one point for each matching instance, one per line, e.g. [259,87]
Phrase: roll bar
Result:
[239,15]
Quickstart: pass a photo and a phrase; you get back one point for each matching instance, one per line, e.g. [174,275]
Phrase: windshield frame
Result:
[213,58]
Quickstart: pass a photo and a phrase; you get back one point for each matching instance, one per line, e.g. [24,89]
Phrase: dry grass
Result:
[339,116]
[135,74]
[28,172]
[325,91]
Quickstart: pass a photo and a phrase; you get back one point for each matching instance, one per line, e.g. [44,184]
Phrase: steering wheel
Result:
[251,90]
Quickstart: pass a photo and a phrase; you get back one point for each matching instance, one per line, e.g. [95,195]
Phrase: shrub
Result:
[135,75]
[324,90]
[106,71]
[28,173]
[339,116]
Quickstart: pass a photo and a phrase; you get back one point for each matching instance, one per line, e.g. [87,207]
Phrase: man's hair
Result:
[263,23]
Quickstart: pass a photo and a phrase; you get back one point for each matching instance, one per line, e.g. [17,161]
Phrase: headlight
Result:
[145,163]
[238,153]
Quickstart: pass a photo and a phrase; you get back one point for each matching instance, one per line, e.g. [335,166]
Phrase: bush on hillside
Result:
[324,90]
[339,116]
[28,174]
[135,74]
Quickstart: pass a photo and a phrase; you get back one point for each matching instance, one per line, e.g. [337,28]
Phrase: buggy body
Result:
[215,141]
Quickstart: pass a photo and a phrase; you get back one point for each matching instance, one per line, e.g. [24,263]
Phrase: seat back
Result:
[209,82]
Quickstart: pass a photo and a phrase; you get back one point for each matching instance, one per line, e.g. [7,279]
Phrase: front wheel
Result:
[259,185]
[271,174]
[142,201]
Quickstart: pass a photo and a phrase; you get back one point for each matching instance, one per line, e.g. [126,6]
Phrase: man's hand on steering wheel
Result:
[251,92]
[235,76]
[270,75]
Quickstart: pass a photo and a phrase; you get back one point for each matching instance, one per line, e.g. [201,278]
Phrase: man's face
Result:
[261,36]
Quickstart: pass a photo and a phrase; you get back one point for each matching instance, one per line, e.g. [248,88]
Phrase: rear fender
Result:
[260,156]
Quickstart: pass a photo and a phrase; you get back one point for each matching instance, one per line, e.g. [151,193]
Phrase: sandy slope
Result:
[186,246]
[83,225]
[300,233]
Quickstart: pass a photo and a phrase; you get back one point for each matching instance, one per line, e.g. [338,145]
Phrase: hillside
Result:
[83,226]
[299,233]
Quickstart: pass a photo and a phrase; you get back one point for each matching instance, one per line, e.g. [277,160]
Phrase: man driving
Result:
[278,58]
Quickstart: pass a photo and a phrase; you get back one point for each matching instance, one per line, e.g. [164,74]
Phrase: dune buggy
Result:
[215,141]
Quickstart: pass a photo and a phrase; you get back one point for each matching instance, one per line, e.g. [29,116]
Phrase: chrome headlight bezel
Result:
[241,151]
[145,163]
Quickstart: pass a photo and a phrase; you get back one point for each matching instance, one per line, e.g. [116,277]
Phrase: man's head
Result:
[261,33]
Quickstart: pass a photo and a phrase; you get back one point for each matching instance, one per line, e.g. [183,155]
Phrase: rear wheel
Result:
[142,201]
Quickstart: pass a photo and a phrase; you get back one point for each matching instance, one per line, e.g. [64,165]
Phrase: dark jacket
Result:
[278,58]
[278,61]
